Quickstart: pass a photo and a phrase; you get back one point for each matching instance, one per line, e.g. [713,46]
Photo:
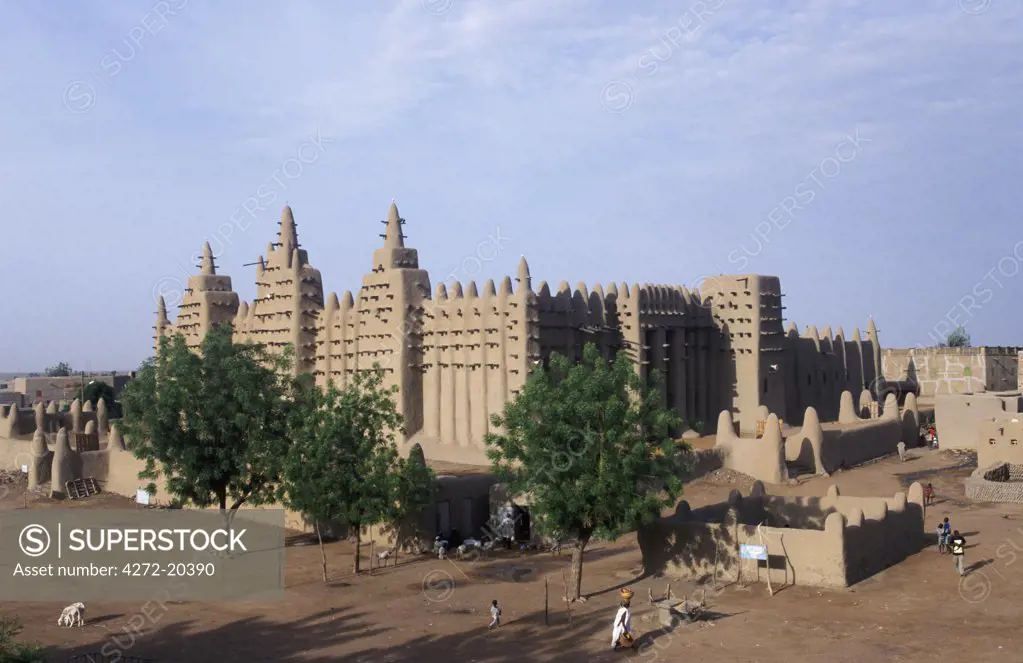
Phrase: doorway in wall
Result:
[443,518]
[468,519]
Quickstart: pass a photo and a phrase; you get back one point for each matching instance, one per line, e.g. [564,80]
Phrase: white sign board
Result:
[24,469]
[753,552]
[142,497]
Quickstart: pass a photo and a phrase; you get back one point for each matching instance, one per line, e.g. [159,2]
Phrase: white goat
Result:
[440,546]
[72,615]
[384,555]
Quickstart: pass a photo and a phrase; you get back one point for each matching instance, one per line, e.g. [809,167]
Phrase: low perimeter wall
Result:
[830,541]
[852,440]
[464,498]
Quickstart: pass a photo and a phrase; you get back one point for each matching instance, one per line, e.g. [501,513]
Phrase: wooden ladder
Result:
[80,488]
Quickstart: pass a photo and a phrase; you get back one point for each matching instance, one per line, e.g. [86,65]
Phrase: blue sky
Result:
[866,152]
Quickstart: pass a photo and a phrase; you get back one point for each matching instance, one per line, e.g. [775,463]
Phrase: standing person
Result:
[495,615]
[928,495]
[946,532]
[901,446]
[941,538]
[507,530]
[958,550]
[623,622]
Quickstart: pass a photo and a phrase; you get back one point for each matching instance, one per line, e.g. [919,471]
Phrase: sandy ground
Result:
[429,610]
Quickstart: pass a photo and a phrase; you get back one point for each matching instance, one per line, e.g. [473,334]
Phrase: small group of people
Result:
[950,540]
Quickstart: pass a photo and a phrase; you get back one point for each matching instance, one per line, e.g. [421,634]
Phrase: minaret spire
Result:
[208,267]
[394,254]
[287,237]
[394,238]
[161,313]
[524,279]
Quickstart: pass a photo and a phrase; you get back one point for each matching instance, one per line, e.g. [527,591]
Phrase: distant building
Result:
[954,370]
[26,391]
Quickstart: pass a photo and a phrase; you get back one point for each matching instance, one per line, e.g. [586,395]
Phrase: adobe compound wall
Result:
[117,470]
[822,448]
[21,423]
[831,541]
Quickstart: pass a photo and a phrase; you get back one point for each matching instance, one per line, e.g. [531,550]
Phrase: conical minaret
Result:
[394,237]
[390,312]
[875,346]
[289,302]
[162,323]
[287,236]
[208,301]
[525,281]
[208,267]
[394,254]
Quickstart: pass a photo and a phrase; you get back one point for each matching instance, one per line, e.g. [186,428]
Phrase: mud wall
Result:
[954,370]
[958,417]
[833,541]
[999,441]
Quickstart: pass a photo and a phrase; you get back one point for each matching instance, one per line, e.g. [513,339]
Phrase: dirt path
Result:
[428,610]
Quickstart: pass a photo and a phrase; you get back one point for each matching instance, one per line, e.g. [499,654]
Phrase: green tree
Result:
[958,338]
[213,423]
[61,370]
[413,487]
[592,447]
[17,652]
[340,466]
[96,390]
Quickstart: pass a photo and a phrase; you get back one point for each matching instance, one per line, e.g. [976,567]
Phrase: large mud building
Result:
[458,352]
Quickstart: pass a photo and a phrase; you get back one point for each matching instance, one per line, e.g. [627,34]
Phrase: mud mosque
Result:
[457,353]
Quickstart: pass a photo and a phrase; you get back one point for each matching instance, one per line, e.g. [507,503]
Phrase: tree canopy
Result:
[958,338]
[591,446]
[214,423]
[17,652]
[413,486]
[342,461]
[97,390]
[60,370]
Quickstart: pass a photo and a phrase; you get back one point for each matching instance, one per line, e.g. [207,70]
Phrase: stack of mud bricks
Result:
[1000,483]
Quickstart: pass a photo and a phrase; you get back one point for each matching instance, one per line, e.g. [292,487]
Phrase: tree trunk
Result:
[397,544]
[576,590]
[358,547]
[323,553]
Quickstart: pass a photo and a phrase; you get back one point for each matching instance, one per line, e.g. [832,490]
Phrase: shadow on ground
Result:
[336,636]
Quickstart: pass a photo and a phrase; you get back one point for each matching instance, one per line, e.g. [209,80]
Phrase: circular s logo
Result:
[975,587]
[34,540]
[438,586]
